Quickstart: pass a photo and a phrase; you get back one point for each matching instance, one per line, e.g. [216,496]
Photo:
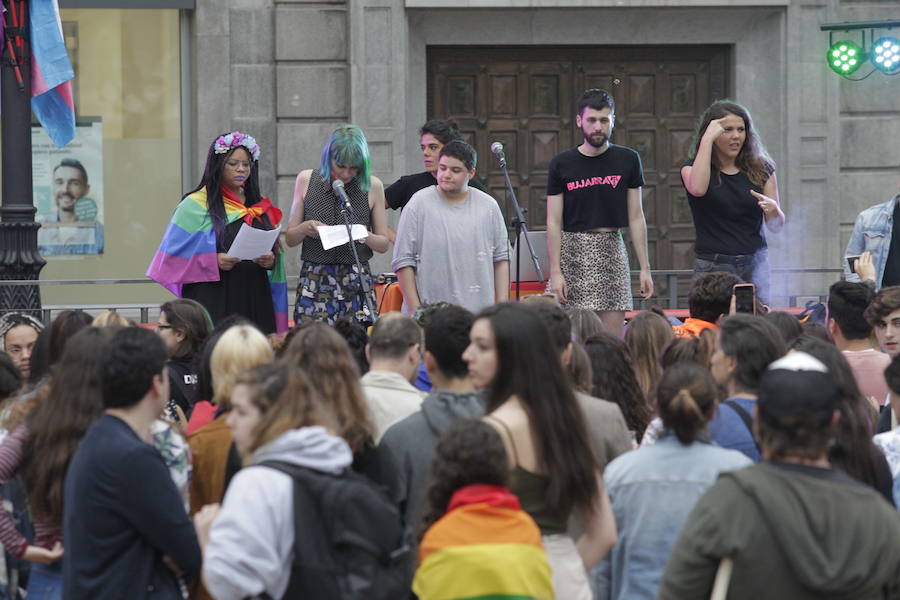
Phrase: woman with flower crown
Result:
[330,284]
[193,261]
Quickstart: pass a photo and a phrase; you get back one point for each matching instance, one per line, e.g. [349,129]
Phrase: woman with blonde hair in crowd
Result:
[239,349]
[654,489]
[216,459]
[646,336]
[110,318]
[531,404]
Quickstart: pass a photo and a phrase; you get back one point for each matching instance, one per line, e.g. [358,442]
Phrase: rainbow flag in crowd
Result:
[187,253]
[484,548]
[51,73]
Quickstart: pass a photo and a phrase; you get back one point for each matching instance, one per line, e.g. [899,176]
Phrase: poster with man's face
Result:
[68,190]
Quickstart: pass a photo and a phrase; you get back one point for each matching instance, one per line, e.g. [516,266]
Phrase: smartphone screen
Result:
[851,262]
[745,298]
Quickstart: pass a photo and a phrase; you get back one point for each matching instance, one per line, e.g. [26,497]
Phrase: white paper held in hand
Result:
[335,235]
[250,243]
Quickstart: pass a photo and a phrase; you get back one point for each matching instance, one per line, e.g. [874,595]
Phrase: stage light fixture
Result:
[885,54]
[844,57]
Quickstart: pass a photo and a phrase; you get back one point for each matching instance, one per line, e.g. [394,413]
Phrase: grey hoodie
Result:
[251,541]
[794,532]
[410,443]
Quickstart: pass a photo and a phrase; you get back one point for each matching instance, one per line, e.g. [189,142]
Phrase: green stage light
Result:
[885,54]
[845,57]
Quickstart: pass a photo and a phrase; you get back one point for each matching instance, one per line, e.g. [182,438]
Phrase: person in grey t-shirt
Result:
[452,243]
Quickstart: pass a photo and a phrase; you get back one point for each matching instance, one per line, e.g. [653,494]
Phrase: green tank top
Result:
[531,488]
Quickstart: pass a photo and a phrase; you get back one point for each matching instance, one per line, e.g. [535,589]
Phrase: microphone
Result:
[337,187]
[497,148]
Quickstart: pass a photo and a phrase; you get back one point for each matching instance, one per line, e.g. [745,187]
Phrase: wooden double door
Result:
[524,97]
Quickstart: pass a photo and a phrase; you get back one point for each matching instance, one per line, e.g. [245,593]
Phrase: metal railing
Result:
[672,285]
[144,310]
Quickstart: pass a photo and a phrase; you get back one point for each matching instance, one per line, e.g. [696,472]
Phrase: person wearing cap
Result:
[18,334]
[791,526]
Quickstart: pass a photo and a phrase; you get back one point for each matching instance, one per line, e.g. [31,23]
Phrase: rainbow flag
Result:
[187,253]
[484,548]
[51,73]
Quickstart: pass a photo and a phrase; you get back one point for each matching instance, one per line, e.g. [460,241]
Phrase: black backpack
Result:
[350,542]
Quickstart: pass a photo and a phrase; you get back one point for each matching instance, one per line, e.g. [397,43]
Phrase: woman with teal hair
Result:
[330,284]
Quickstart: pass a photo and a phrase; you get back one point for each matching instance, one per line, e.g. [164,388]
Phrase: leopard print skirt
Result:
[595,265]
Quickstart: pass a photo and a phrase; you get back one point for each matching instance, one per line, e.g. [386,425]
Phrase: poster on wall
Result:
[68,190]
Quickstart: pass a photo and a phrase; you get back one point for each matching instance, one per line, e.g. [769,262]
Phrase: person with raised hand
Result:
[732,191]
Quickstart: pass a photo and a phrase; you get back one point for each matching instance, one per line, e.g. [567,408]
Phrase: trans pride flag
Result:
[51,73]
[484,548]
[187,253]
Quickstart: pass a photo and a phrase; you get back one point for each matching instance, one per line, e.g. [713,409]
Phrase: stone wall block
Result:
[213,100]
[266,132]
[868,95]
[252,36]
[870,142]
[210,18]
[253,91]
[285,193]
[300,145]
[310,33]
[862,189]
[312,91]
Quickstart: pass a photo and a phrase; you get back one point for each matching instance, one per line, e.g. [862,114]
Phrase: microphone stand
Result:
[521,228]
[363,278]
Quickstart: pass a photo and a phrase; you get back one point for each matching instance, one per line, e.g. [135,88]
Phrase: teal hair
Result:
[347,146]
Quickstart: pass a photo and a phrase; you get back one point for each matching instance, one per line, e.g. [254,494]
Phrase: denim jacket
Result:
[872,233]
[652,491]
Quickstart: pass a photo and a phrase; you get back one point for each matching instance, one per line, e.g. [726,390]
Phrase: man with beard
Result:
[73,229]
[593,191]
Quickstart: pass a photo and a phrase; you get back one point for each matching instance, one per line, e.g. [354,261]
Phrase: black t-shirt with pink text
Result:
[595,188]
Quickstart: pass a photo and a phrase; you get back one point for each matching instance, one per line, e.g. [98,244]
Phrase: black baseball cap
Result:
[796,388]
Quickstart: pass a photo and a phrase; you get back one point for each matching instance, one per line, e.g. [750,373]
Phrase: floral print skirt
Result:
[329,292]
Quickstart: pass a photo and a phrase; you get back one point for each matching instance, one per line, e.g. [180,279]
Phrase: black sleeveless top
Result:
[322,204]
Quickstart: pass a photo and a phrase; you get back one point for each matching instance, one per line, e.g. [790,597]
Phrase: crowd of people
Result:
[465,447]
[538,456]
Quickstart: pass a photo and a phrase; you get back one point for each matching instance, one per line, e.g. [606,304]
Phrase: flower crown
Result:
[236,139]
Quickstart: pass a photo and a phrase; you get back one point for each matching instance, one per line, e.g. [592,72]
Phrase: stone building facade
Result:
[292,70]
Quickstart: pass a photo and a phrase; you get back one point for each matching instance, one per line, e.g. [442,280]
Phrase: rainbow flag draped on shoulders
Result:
[187,253]
[484,548]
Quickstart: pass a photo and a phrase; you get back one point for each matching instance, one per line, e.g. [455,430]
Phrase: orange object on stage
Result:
[389,297]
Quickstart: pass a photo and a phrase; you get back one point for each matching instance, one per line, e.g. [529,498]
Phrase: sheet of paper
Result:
[252,243]
[335,235]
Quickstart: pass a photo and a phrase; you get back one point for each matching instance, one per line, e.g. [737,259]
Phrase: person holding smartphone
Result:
[732,191]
